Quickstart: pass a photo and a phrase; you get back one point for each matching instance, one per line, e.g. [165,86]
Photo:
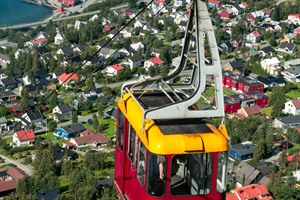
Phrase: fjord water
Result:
[16,12]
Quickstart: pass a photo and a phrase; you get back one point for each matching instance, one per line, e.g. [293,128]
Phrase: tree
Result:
[66,168]
[260,151]
[52,125]
[25,186]
[151,71]
[95,122]
[74,117]
[89,83]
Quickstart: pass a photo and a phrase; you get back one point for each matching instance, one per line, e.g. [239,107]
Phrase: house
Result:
[7,96]
[8,180]
[271,81]
[154,61]
[78,24]
[213,3]
[266,50]
[67,52]
[134,61]
[245,100]
[23,138]
[236,43]
[67,80]
[138,46]
[110,27]
[3,124]
[69,131]
[224,14]
[235,66]
[227,46]
[68,3]
[244,5]
[114,69]
[80,48]
[4,60]
[296,31]
[271,65]
[88,138]
[8,83]
[33,117]
[292,107]
[241,151]
[90,95]
[294,18]
[58,38]
[237,9]
[62,111]
[288,48]
[130,13]
[250,17]
[292,74]
[253,37]
[253,191]
[231,105]
[261,99]
[246,174]
[267,12]
[230,80]
[287,122]
[107,53]
[39,42]
[248,85]
[113,112]
[249,111]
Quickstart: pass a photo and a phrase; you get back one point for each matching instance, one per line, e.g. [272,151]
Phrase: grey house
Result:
[287,122]
[62,111]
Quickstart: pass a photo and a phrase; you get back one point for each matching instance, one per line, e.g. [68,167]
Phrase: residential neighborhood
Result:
[60,83]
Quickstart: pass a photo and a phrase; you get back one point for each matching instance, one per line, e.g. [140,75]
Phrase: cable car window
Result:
[222,172]
[156,174]
[132,146]
[141,164]
[120,130]
[191,174]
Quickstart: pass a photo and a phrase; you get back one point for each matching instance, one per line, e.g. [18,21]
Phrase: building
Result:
[249,111]
[287,122]
[291,74]
[231,105]
[154,61]
[294,18]
[114,69]
[68,80]
[23,138]
[292,107]
[8,180]
[253,37]
[241,152]
[261,99]
[271,65]
[62,111]
[253,191]
[288,48]
[69,131]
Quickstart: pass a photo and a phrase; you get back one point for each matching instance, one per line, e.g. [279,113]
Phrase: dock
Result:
[39,3]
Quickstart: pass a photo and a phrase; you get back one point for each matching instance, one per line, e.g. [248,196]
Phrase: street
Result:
[26,168]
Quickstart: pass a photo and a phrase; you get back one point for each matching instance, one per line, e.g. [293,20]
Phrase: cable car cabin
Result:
[168,159]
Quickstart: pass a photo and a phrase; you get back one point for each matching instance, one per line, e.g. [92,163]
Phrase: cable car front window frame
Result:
[222,172]
[191,174]
[120,130]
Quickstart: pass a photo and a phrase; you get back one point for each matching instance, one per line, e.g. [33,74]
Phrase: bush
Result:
[28,160]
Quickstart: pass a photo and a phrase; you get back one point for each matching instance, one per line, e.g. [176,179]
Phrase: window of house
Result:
[120,130]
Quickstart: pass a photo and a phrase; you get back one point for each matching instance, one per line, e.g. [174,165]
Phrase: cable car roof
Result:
[173,136]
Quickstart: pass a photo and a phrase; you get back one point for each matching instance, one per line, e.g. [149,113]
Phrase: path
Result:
[27,169]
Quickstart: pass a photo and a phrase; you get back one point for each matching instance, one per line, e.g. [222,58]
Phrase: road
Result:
[26,168]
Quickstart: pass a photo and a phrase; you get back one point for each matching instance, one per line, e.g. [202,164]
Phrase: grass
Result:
[49,136]
[266,111]
[228,92]
[293,94]
[8,140]
[111,127]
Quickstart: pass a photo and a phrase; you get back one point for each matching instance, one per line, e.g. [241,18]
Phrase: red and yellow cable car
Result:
[165,147]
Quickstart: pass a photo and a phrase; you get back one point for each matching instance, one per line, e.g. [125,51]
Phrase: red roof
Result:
[224,14]
[25,135]
[296,31]
[156,61]
[214,1]
[16,173]
[69,144]
[256,34]
[97,138]
[39,40]
[294,15]
[296,103]
[252,110]
[65,78]
[290,158]
[267,11]
[252,191]
[245,4]
[160,1]
[117,67]
[8,185]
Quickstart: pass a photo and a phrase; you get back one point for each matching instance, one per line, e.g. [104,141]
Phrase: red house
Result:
[232,81]
[246,85]
[253,191]
[231,105]
[224,14]
[109,27]
[261,99]
[250,18]
[296,31]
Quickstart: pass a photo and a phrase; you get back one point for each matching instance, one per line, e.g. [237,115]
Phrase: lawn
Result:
[293,94]
[111,127]
[49,136]
[266,111]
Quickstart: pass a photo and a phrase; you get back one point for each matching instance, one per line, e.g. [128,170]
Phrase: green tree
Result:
[89,83]
[95,122]
[52,125]
[25,187]
[260,151]
[74,117]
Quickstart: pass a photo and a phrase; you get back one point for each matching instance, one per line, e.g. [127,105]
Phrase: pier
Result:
[39,3]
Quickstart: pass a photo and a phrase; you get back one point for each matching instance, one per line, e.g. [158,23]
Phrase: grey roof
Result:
[294,70]
[238,64]
[35,115]
[74,128]
[64,108]
[5,94]
[244,149]
[247,171]
[67,50]
[47,195]
[3,120]
[8,81]
[263,167]
[290,119]
[268,49]
[290,46]
[135,57]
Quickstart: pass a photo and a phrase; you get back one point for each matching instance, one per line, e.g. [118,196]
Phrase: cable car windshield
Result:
[191,174]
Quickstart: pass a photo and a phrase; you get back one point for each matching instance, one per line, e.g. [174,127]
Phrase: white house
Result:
[23,138]
[62,111]
[134,61]
[292,107]
[152,62]
[138,46]
[254,37]
[78,24]
[271,65]
[58,38]
[114,70]
[294,18]
[291,74]
[4,59]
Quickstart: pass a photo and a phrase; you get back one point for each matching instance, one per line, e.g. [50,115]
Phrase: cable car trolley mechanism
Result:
[165,147]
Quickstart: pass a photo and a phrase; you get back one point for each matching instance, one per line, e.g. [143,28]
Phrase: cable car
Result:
[165,147]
